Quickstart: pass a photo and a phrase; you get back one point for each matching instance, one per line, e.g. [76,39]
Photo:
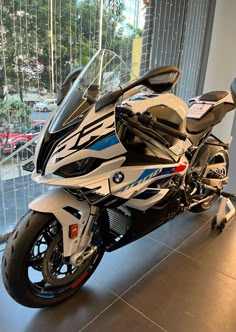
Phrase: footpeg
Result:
[227,195]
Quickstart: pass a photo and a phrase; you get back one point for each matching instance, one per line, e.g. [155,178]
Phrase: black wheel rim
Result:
[221,172]
[63,276]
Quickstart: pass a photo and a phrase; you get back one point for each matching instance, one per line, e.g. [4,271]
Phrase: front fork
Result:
[70,212]
[85,239]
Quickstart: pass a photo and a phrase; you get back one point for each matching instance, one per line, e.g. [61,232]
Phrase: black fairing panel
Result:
[196,137]
[139,223]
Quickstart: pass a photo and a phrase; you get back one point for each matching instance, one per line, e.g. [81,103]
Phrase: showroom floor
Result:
[182,277]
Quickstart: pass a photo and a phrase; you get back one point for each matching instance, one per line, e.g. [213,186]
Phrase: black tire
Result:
[19,145]
[222,224]
[25,154]
[214,222]
[34,252]
[205,206]
[45,109]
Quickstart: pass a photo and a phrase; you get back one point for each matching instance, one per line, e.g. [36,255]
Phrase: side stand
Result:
[225,213]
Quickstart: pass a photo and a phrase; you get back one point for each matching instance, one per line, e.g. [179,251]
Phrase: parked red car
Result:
[18,136]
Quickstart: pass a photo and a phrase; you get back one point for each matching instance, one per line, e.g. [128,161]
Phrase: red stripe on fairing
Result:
[80,280]
[180,168]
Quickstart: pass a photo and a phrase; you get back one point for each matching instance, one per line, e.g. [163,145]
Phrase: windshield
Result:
[104,72]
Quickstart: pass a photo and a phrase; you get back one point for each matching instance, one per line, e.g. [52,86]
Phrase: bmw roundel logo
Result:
[118,177]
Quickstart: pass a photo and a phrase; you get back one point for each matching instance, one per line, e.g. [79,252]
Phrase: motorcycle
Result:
[127,157]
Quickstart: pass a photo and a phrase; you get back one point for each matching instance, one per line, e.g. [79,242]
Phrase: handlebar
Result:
[151,123]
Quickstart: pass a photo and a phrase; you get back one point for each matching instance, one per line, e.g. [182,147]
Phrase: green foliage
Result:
[27,34]
[75,38]
[12,112]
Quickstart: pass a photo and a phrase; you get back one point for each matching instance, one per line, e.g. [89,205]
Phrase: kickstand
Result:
[225,213]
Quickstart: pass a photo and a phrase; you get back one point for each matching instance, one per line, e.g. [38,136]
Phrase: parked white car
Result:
[47,105]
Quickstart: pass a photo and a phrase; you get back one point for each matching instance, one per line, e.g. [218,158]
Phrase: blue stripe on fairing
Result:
[167,170]
[105,143]
[147,194]
[146,173]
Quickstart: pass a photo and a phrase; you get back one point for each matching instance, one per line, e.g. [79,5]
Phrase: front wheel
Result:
[34,271]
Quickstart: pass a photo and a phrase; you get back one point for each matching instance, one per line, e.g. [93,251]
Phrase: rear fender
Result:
[205,158]
[206,154]
[68,211]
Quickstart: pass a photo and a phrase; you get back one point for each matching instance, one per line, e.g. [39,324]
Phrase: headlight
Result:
[77,168]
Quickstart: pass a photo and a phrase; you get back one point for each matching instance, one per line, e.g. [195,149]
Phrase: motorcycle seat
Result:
[195,126]
[213,116]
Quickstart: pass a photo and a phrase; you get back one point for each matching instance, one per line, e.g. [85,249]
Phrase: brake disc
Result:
[55,269]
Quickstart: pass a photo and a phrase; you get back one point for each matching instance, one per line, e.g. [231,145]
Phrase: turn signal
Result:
[73,231]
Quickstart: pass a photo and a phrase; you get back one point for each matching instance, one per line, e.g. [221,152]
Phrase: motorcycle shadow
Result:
[75,312]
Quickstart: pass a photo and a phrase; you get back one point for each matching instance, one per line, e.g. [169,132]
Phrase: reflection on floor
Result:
[181,277]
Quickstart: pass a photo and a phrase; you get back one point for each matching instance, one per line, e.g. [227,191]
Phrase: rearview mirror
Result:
[160,79]
[67,83]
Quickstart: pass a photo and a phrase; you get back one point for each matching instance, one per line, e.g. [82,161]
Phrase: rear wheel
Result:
[219,157]
[34,271]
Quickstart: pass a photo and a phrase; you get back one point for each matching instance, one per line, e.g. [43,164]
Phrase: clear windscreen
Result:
[104,72]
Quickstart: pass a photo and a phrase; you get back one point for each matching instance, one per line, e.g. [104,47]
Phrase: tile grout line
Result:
[207,222]
[173,250]
[196,231]
[98,315]
[108,289]
[180,252]
[142,314]
[149,271]
[163,244]
[205,264]
[190,257]
[120,297]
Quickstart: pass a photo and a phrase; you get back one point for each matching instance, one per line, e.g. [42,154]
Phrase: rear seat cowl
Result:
[213,96]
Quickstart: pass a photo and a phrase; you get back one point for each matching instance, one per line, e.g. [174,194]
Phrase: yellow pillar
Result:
[136,57]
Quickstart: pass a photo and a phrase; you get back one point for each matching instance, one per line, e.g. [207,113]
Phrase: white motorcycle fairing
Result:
[56,202]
